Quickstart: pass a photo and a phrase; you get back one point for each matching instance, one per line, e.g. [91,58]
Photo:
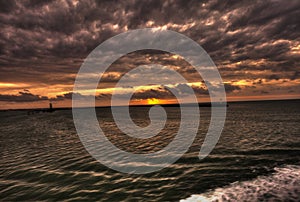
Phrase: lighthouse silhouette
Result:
[50,107]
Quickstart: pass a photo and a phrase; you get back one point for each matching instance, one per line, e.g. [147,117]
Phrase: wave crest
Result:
[282,185]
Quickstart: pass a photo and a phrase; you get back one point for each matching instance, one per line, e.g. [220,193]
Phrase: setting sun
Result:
[153,101]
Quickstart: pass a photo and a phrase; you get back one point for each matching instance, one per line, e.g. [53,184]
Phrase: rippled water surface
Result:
[257,158]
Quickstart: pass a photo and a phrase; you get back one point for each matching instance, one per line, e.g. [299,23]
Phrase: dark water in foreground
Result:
[257,158]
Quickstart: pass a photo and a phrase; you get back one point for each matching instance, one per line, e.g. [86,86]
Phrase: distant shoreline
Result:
[205,104]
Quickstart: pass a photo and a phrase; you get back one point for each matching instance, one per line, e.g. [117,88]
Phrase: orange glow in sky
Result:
[153,101]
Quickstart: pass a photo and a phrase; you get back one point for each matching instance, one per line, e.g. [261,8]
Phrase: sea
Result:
[257,158]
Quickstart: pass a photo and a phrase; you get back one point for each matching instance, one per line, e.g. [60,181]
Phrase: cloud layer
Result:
[255,44]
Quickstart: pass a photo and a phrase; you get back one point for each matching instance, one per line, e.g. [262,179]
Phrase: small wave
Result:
[282,185]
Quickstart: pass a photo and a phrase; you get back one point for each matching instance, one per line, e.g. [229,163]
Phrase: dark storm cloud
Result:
[45,42]
[7,6]
[157,92]
[258,82]
[25,96]
[200,90]
[230,88]
[69,96]
[164,92]
[296,75]
[273,77]
[161,93]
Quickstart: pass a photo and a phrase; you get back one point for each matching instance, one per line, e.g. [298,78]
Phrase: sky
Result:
[254,44]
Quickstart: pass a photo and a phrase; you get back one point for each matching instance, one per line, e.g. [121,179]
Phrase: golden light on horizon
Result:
[153,101]
[242,82]
[9,85]
[175,56]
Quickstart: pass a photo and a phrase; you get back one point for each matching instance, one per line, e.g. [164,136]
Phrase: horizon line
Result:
[201,104]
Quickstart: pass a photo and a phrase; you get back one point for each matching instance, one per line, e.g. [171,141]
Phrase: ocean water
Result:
[256,159]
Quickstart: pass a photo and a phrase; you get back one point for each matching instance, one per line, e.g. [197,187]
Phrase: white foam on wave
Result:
[282,185]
